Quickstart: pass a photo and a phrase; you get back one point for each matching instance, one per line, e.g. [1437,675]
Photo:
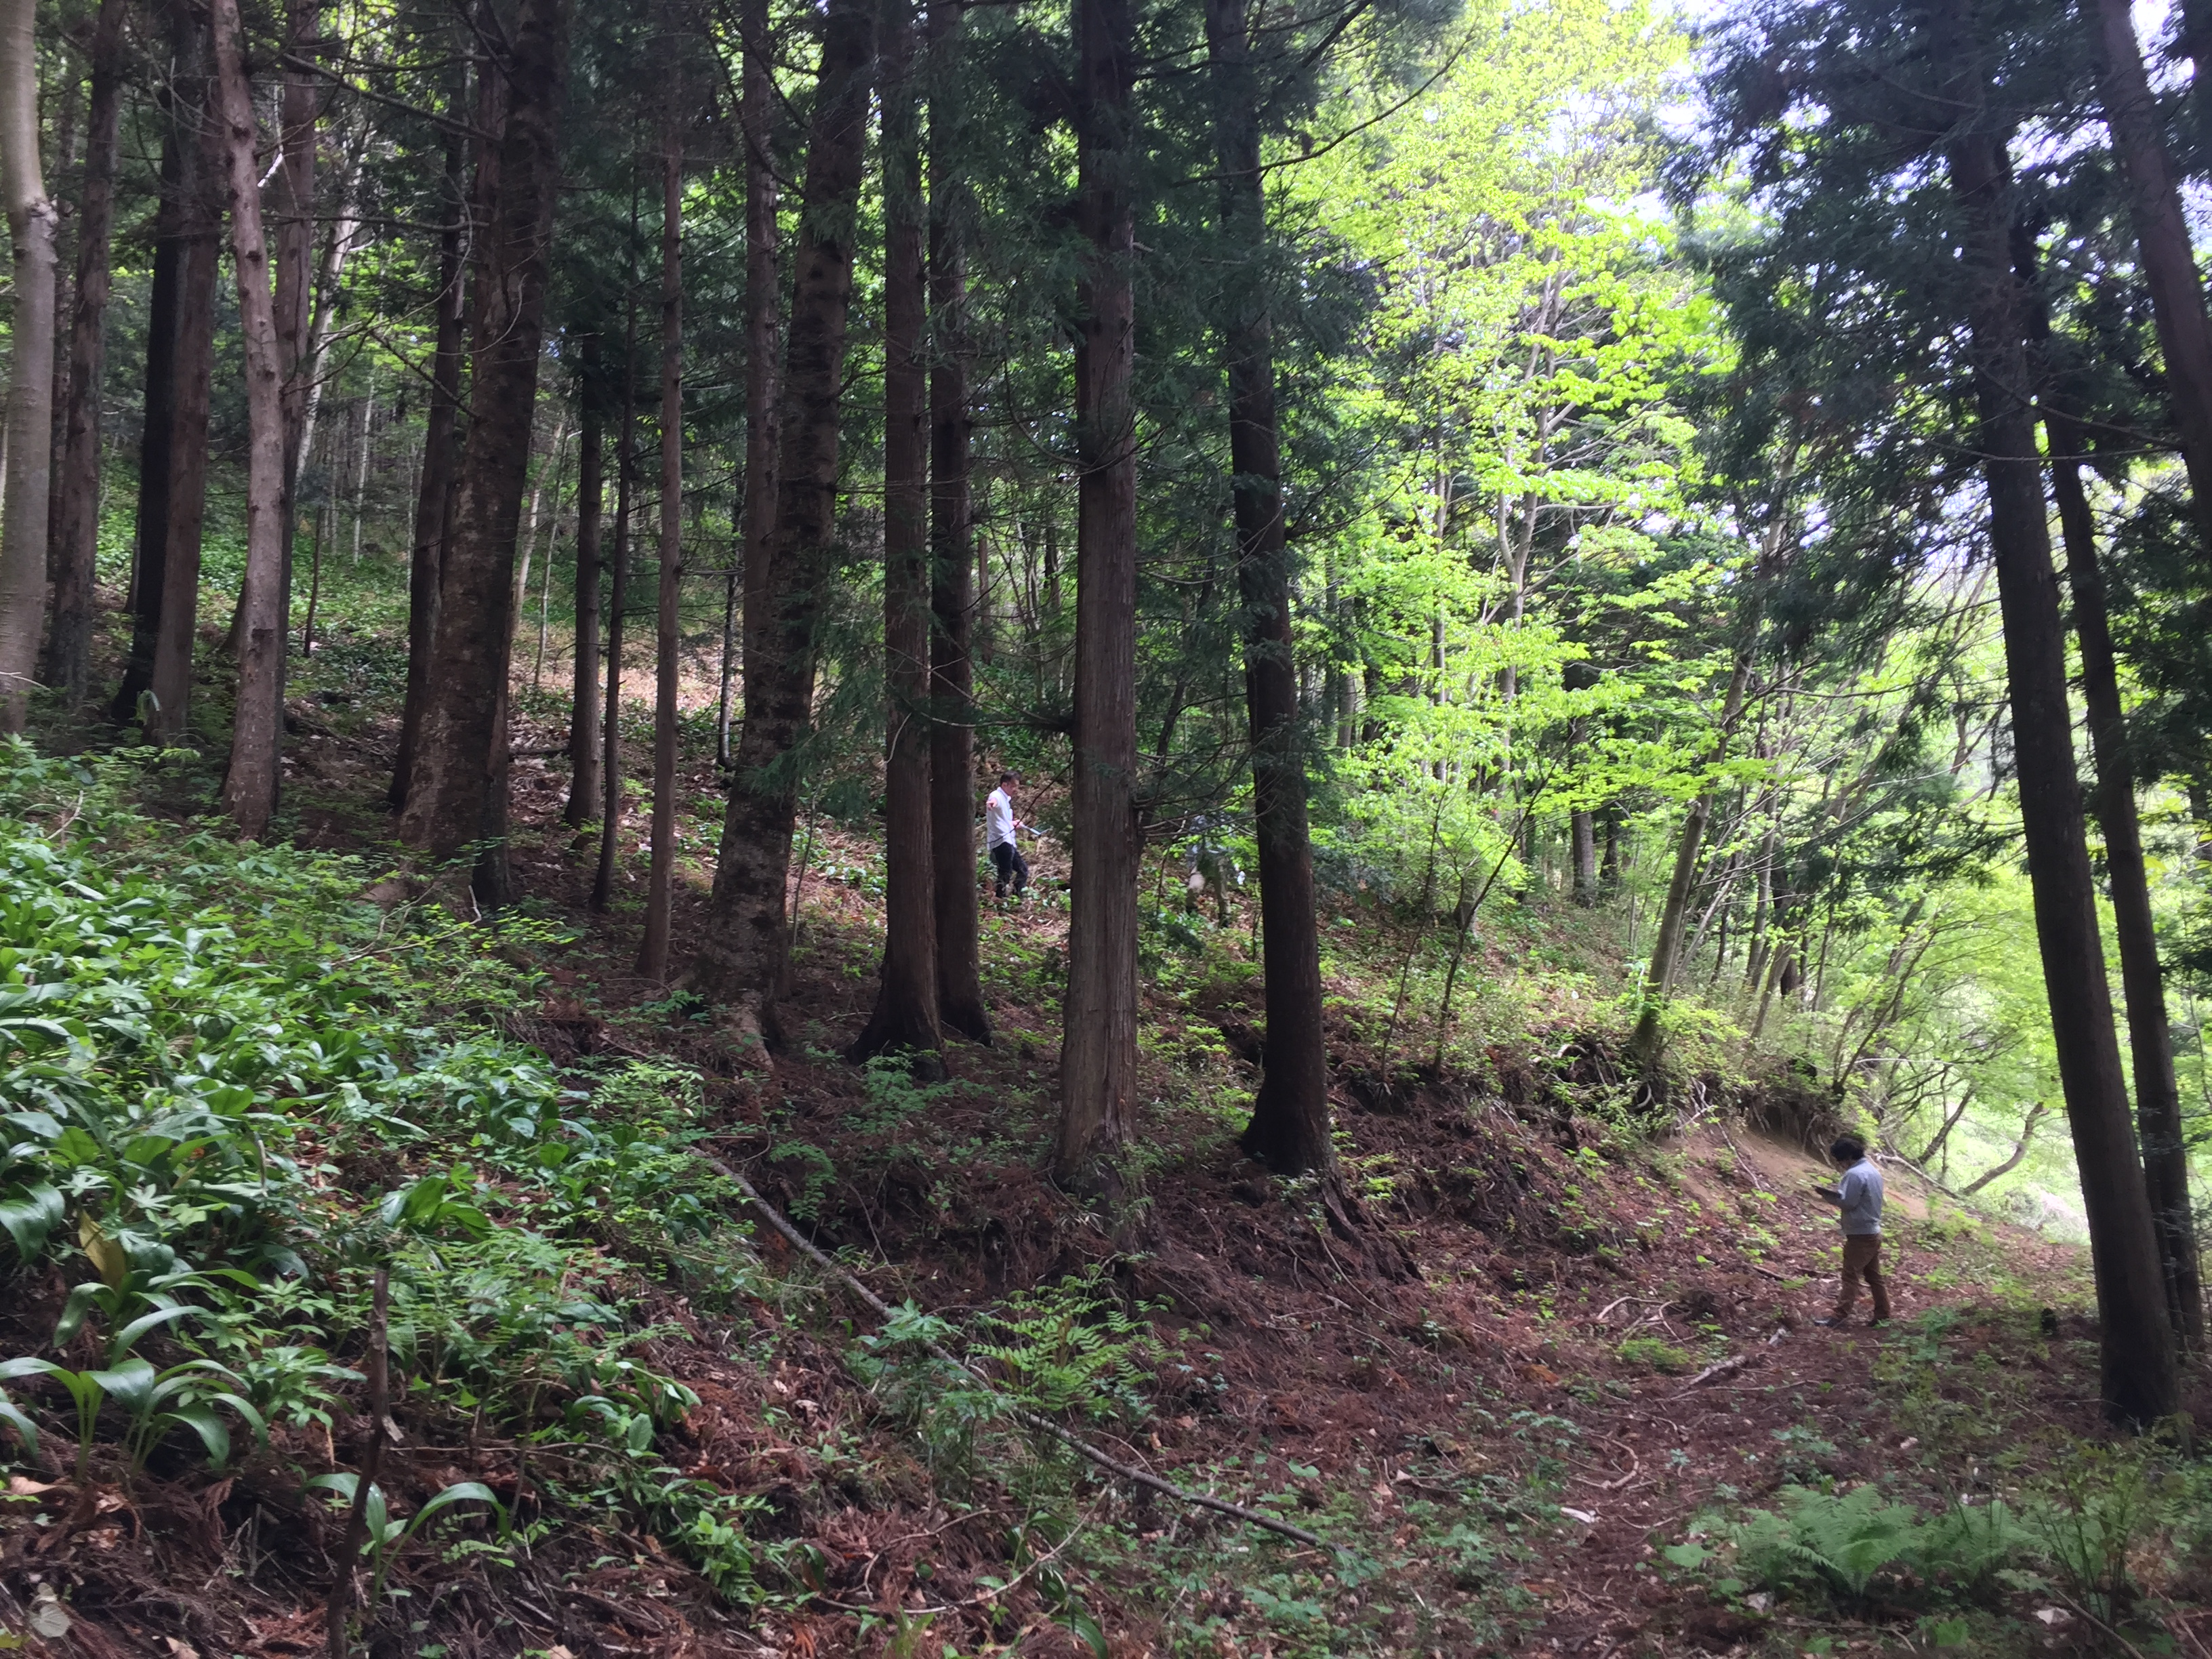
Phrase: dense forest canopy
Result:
[1734,485]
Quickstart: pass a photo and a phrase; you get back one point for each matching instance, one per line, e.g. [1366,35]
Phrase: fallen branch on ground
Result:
[1727,1367]
[882,1309]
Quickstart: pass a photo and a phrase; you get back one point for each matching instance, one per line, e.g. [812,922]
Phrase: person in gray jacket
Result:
[1857,1197]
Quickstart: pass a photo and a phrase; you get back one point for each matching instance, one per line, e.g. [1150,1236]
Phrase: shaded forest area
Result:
[1567,602]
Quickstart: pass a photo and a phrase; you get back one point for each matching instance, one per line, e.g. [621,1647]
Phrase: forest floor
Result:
[1563,1357]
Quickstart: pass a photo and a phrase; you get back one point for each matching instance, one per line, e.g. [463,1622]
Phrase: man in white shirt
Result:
[1857,1197]
[1000,826]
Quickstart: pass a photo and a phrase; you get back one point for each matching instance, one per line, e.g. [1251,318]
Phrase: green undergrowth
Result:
[1985,1528]
[236,1090]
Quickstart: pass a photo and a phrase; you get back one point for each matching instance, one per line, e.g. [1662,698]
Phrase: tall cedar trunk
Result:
[31,221]
[2168,263]
[149,541]
[1289,1128]
[175,629]
[653,955]
[583,696]
[2139,1378]
[76,542]
[2150,1037]
[763,280]
[952,533]
[249,788]
[610,759]
[747,935]
[1583,829]
[1098,1042]
[434,500]
[905,1017]
[458,793]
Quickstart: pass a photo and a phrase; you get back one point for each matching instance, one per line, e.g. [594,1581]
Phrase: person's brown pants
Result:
[1862,1259]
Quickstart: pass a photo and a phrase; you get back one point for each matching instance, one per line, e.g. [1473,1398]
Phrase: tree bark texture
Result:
[1289,1127]
[249,788]
[1098,1045]
[433,499]
[77,541]
[590,492]
[763,298]
[457,795]
[149,542]
[2162,242]
[2139,1377]
[660,885]
[960,1006]
[2142,980]
[176,629]
[32,222]
[741,962]
[905,1017]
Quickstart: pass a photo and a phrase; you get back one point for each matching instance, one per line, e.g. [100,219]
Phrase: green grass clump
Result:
[1652,1354]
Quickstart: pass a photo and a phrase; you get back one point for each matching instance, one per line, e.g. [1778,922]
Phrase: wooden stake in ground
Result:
[660,885]
[32,222]
[249,790]
[1098,1044]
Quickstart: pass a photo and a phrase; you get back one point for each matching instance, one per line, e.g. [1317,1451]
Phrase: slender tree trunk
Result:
[31,221]
[611,765]
[1646,1041]
[741,961]
[2168,261]
[458,795]
[951,556]
[2142,980]
[1583,829]
[763,299]
[296,355]
[1098,1044]
[583,696]
[76,544]
[1289,1127]
[249,789]
[2139,1381]
[176,629]
[434,500]
[660,887]
[905,1017]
